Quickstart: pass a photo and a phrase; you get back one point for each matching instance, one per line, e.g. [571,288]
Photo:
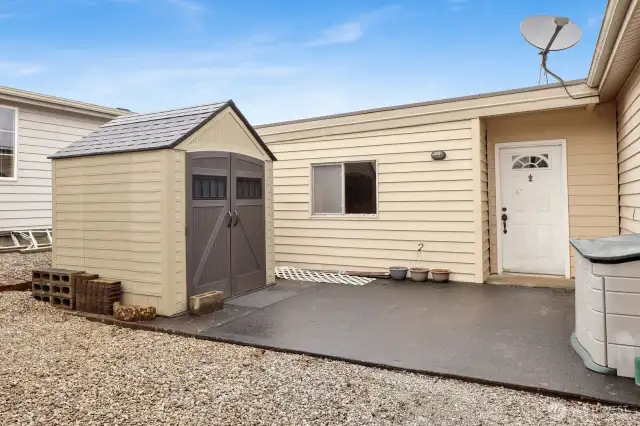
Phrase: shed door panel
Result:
[208,223]
[248,254]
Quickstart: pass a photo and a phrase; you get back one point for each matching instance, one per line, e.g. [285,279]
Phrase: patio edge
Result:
[531,389]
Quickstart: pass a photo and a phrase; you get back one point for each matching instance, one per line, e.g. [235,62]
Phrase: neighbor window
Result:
[7,142]
[344,188]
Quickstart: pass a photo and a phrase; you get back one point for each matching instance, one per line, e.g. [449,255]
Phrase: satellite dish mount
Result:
[550,33]
[560,23]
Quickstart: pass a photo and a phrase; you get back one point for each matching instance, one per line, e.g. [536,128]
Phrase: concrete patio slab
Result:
[261,299]
[513,336]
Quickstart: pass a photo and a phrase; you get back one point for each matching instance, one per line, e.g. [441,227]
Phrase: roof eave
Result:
[25,97]
[548,92]
[612,23]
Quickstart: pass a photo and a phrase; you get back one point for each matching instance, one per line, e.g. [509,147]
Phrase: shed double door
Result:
[225,223]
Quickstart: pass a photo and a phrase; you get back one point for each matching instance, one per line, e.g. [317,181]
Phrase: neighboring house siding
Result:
[628,106]
[419,200]
[112,210]
[591,165]
[26,202]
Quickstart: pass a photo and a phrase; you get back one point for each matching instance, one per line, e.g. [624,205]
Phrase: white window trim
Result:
[343,215]
[16,146]
[565,195]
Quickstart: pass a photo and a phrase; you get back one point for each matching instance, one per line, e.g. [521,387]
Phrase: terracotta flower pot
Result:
[419,274]
[440,275]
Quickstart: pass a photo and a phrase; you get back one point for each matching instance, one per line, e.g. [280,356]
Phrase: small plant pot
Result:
[398,272]
[440,275]
[419,274]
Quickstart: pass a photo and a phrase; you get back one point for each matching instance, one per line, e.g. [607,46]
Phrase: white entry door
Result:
[532,209]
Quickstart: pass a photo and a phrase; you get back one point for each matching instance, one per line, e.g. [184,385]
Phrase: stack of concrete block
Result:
[56,286]
[40,286]
[82,293]
[102,294]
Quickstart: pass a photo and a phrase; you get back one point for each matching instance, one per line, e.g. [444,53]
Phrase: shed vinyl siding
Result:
[110,219]
[628,106]
[225,132]
[419,200]
[591,165]
[26,202]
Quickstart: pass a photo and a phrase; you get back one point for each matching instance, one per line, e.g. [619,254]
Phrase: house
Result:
[33,127]
[173,204]
[492,183]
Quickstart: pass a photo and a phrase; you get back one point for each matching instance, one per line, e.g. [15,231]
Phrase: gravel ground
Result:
[57,369]
[19,266]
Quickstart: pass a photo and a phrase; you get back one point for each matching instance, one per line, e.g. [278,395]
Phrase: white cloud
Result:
[339,34]
[351,31]
[19,69]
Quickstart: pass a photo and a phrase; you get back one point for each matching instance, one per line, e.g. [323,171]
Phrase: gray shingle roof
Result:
[138,132]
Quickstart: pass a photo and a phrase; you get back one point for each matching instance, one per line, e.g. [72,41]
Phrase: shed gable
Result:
[225,132]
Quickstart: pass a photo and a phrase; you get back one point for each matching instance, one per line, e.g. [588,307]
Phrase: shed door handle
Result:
[237,218]
[230,219]
[504,223]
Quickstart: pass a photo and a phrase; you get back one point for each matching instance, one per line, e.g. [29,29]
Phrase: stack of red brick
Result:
[75,290]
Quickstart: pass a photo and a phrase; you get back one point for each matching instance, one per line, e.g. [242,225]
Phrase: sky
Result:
[280,59]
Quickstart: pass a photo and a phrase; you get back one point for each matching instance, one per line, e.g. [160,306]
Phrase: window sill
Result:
[344,216]
[5,179]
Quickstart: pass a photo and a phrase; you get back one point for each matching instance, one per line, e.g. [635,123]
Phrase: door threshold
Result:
[250,291]
[531,280]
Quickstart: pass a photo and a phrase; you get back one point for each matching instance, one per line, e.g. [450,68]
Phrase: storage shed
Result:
[173,204]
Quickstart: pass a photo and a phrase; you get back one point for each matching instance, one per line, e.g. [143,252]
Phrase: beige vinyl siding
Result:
[419,200]
[484,205]
[269,232]
[110,218]
[225,132]
[178,248]
[26,202]
[480,201]
[591,165]
[628,106]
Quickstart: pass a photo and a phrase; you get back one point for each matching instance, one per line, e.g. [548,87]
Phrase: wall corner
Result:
[476,164]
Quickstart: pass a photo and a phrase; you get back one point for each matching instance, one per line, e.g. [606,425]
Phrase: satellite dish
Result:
[549,33]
